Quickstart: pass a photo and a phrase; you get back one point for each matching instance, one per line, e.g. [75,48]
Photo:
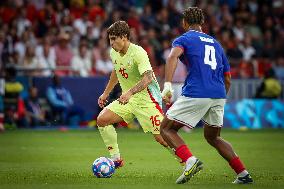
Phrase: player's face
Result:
[117,43]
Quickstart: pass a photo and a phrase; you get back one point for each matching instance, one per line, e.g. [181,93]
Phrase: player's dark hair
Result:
[193,15]
[119,29]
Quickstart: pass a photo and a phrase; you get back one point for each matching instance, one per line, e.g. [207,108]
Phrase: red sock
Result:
[183,152]
[237,165]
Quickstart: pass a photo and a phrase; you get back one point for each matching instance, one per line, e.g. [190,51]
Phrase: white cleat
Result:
[190,171]
[243,180]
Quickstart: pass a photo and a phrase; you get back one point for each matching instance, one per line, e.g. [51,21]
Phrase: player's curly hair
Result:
[193,15]
[119,29]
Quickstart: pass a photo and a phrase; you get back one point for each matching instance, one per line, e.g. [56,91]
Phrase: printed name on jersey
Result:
[205,39]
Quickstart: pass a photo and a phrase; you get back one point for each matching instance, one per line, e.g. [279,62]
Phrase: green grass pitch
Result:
[54,159]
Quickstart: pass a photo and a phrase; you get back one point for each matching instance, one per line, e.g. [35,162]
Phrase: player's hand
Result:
[124,98]
[102,100]
[160,140]
[167,93]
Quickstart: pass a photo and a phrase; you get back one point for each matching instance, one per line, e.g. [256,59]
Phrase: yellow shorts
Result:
[148,113]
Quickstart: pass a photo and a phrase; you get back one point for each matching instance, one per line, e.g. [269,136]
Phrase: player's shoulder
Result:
[137,50]
[112,51]
[210,39]
[113,54]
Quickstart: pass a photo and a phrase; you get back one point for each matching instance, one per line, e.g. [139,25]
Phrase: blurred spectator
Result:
[268,50]
[134,20]
[238,30]
[35,114]
[81,63]
[254,30]
[46,19]
[13,104]
[246,48]
[61,102]
[31,63]
[94,29]
[80,24]
[14,61]
[104,65]
[279,67]
[21,45]
[95,10]
[22,21]
[63,54]
[2,39]
[25,23]
[270,87]
[99,46]
[66,22]
[246,69]
[148,19]
[61,11]
[46,56]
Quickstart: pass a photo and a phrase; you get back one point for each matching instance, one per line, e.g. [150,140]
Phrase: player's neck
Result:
[125,48]
[195,27]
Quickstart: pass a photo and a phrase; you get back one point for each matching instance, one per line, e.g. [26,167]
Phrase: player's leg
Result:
[225,149]
[169,131]
[149,113]
[113,113]
[150,119]
[212,135]
[212,129]
[104,122]
[184,112]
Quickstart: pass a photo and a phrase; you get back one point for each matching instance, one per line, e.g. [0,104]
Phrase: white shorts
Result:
[189,111]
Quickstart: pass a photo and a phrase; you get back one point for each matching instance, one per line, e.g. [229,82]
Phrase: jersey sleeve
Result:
[142,60]
[225,63]
[179,43]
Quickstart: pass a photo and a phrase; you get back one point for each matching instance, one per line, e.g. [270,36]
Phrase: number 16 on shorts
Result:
[156,122]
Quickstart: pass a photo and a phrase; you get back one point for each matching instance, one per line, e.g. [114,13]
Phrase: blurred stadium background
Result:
[67,38]
[40,38]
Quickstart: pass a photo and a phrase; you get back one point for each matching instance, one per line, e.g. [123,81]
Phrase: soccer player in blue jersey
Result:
[203,96]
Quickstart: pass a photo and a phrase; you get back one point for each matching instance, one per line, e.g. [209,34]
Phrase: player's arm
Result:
[171,64]
[143,83]
[227,74]
[111,83]
[113,80]
[227,79]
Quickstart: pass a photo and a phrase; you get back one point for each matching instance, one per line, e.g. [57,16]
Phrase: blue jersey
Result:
[206,64]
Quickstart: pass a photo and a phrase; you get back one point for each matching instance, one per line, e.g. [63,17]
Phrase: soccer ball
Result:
[103,167]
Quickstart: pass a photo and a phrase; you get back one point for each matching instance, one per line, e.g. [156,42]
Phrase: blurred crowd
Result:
[69,36]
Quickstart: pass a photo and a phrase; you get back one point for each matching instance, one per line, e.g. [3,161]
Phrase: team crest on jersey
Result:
[129,63]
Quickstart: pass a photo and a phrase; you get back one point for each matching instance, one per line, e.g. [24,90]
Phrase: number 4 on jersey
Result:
[209,57]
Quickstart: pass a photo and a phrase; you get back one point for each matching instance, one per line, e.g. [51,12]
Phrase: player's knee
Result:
[101,121]
[164,129]
[164,132]
[211,139]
